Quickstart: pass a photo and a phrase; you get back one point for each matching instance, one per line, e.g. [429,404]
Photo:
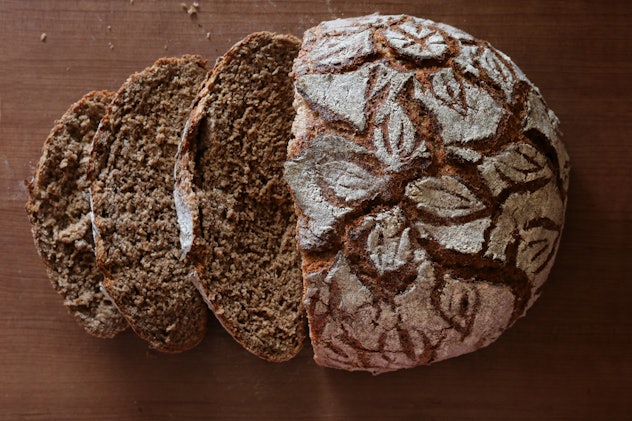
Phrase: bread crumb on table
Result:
[191,10]
[43,37]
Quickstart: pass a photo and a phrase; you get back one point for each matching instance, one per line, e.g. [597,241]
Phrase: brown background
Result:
[571,358]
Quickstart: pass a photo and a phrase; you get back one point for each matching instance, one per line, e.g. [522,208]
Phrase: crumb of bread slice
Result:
[135,225]
[59,211]
[235,212]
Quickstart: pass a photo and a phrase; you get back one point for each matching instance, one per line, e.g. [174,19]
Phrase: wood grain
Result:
[569,359]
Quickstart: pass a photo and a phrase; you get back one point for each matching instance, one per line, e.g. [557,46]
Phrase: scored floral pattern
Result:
[371,163]
[416,41]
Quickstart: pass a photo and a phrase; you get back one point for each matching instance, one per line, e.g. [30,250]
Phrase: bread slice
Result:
[59,211]
[235,212]
[135,225]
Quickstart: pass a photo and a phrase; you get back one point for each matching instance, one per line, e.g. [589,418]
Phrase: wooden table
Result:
[571,358]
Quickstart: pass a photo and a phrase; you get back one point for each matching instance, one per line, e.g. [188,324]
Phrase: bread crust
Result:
[59,212]
[430,184]
[235,214]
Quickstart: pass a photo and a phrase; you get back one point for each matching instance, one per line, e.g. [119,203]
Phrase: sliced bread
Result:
[135,225]
[59,210]
[235,212]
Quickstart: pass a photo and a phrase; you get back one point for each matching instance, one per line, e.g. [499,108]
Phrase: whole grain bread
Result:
[235,212]
[430,184]
[134,218]
[59,211]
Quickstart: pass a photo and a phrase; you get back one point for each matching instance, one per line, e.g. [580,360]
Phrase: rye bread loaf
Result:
[236,216]
[59,211]
[430,184]
[134,218]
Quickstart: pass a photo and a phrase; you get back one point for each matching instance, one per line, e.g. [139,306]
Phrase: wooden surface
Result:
[570,358]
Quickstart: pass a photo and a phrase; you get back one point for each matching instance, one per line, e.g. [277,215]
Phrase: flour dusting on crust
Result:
[430,183]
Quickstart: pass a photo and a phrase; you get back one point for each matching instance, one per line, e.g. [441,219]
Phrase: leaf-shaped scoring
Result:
[445,197]
[464,111]
[497,71]
[325,169]
[458,303]
[399,145]
[467,237]
[450,91]
[388,242]
[517,163]
[522,214]
[341,96]
[348,180]
[536,249]
[349,25]
[466,59]
[394,135]
[540,118]
[417,41]
[340,51]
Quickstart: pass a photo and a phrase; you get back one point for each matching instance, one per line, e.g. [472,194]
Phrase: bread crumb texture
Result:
[234,199]
[59,211]
[135,222]
[430,184]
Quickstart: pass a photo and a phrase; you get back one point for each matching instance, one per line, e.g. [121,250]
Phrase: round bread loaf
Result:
[430,184]
[235,212]
[134,217]
[59,211]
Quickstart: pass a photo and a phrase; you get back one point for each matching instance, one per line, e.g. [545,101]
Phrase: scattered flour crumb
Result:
[110,46]
[191,10]
[43,37]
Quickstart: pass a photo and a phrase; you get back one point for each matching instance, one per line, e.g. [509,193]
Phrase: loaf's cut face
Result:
[135,222]
[430,184]
[59,211]
[236,215]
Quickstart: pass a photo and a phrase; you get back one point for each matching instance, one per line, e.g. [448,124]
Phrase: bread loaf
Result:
[135,223]
[236,216]
[430,184]
[59,211]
